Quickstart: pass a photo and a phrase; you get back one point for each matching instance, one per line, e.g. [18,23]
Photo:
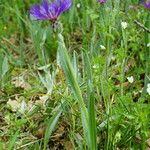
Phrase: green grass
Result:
[68,89]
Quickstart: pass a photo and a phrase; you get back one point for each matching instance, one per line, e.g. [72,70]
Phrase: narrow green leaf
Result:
[51,126]
[13,141]
[71,77]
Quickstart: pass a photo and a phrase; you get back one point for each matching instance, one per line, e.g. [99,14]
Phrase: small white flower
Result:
[113,58]
[148,45]
[130,79]
[102,47]
[78,5]
[124,25]
[148,88]
[141,90]
[95,66]
[5,27]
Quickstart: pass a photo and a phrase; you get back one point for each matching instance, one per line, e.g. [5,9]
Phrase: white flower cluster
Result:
[148,88]
[124,25]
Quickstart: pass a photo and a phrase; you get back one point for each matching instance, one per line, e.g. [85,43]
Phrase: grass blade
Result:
[13,141]
[51,126]
[71,77]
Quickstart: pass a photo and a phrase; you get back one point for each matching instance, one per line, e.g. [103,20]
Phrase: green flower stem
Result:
[71,77]
[147,54]
[125,47]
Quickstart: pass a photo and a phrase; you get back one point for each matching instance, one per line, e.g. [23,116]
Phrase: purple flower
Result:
[50,10]
[147,4]
[102,1]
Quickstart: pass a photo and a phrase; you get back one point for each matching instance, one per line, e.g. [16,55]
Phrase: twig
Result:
[27,144]
[142,26]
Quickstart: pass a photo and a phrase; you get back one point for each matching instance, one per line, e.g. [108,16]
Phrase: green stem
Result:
[124,60]
[71,77]
[147,54]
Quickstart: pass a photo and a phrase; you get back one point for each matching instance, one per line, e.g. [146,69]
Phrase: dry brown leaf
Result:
[14,105]
[20,82]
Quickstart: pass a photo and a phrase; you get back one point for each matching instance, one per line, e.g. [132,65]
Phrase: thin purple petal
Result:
[45,5]
[147,4]
[50,11]
[36,12]
[102,1]
[65,4]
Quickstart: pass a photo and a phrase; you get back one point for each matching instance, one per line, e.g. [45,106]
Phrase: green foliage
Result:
[51,125]
[73,86]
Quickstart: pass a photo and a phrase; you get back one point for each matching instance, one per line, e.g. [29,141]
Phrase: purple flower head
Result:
[147,4]
[102,1]
[50,10]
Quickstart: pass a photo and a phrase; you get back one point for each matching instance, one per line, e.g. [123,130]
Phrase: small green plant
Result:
[74,74]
